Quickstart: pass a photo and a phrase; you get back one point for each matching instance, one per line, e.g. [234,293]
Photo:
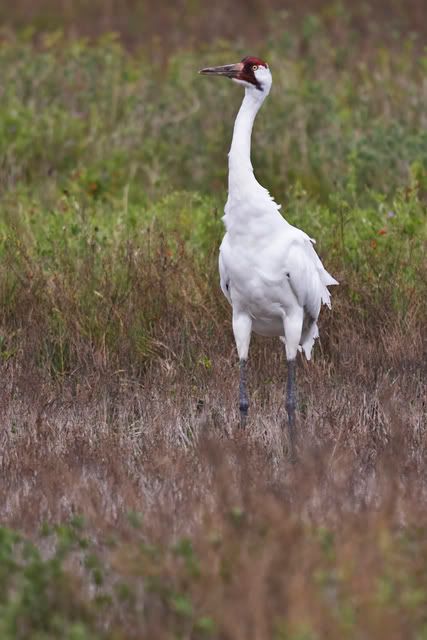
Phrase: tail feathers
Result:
[308,338]
[326,297]
[327,281]
[310,329]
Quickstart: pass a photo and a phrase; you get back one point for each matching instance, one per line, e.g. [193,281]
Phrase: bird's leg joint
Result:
[243,392]
[291,396]
[244,406]
[291,403]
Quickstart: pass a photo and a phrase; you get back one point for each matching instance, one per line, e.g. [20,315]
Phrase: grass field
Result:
[132,504]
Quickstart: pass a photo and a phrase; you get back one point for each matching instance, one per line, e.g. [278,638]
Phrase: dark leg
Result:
[243,393]
[291,403]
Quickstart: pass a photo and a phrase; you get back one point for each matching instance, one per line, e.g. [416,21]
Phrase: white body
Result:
[269,270]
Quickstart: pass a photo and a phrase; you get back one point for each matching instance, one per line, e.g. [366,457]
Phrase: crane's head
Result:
[251,72]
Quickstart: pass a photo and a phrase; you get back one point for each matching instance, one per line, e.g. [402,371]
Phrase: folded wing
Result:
[309,281]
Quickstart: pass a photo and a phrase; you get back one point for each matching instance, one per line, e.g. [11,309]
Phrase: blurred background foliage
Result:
[163,28]
[108,138]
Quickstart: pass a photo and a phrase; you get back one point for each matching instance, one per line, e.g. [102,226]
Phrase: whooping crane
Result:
[269,270]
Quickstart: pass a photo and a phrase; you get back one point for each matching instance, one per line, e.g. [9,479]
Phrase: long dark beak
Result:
[228,70]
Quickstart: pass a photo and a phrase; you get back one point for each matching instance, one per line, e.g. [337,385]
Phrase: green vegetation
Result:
[117,358]
[114,173]
[123,587]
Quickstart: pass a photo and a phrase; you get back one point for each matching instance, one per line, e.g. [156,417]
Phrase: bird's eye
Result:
[254,67]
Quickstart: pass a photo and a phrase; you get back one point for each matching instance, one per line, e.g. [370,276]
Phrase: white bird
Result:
[269,270]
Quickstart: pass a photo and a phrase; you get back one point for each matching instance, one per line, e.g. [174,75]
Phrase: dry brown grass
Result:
[282,549]
[122,431]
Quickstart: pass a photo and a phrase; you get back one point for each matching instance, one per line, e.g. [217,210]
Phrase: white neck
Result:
[239,158]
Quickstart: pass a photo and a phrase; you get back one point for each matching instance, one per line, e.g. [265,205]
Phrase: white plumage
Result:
[269,270]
